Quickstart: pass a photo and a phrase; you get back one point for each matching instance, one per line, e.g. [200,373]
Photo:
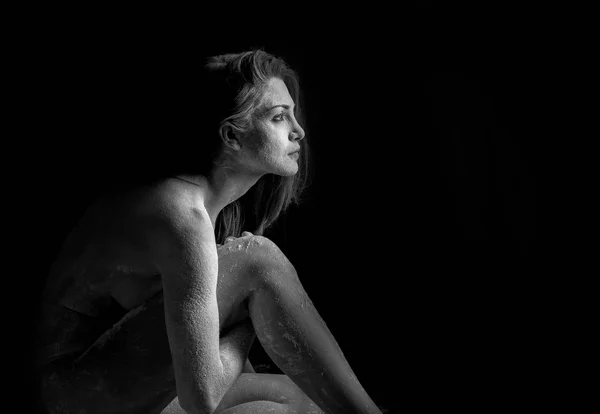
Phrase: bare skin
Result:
[110,266]
[257,284]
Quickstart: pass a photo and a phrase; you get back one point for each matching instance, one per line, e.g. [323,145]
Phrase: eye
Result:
[280,117]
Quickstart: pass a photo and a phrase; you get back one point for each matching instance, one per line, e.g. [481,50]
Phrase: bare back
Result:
[101,272]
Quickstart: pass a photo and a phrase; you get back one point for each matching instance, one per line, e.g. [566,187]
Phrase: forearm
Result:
[234,347]
[198,368]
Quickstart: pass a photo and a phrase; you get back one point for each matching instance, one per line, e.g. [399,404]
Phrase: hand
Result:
[232,238]
[244,234]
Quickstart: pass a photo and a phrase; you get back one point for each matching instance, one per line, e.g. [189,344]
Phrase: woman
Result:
[144,312]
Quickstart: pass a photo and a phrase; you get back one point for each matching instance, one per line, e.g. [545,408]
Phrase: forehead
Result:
[276,93]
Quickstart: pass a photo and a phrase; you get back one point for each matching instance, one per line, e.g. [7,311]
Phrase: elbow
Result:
[192,408]
[196,407]
[193,405]
[198,397]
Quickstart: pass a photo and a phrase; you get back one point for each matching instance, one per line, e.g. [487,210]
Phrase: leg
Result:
[260,393]
[290,330]
[129,368]
[254,393]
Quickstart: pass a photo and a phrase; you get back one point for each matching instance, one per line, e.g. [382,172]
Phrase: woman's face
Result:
[272,143]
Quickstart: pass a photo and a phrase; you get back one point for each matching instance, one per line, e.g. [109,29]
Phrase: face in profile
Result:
[272,143]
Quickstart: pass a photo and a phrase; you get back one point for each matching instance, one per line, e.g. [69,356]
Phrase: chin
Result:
[287,173]
[287,170]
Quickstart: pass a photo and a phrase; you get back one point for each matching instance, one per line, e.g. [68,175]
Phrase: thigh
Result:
[276,390]
[246,265]
[236,279]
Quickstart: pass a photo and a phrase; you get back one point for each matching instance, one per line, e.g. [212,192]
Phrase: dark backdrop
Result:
[417,238]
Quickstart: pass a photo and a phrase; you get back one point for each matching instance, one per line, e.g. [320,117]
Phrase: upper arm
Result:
[182,246]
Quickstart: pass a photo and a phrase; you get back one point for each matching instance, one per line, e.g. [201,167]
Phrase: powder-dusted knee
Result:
[266,258]
[256,255]
[251,246]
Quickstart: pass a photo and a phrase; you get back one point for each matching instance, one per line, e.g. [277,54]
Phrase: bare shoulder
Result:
[166,214]
[121,243]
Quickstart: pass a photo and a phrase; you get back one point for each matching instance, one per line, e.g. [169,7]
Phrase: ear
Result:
[230,136]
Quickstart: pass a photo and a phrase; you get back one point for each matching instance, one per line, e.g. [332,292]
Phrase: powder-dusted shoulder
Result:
[167,214]
[167,197]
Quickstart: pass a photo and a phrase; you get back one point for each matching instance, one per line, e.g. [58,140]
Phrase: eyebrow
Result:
[282,105]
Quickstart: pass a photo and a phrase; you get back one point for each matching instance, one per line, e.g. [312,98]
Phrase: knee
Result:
[262,246]
[267,261]
[257,249]
[258,258]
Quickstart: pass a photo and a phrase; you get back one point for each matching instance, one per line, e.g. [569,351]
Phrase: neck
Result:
[221,187]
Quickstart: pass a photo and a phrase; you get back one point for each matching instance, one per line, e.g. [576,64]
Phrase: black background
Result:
[417,240]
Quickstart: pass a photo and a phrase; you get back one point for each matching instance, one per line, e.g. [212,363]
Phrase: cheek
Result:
[269,152]
[268,141]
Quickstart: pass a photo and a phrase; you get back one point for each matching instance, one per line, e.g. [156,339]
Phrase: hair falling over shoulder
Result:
[236,81]
[183,113]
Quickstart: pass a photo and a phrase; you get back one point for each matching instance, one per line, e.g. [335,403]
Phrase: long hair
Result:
[232,86]
[188,107]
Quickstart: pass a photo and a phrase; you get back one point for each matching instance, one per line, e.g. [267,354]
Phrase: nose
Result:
[297,133]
